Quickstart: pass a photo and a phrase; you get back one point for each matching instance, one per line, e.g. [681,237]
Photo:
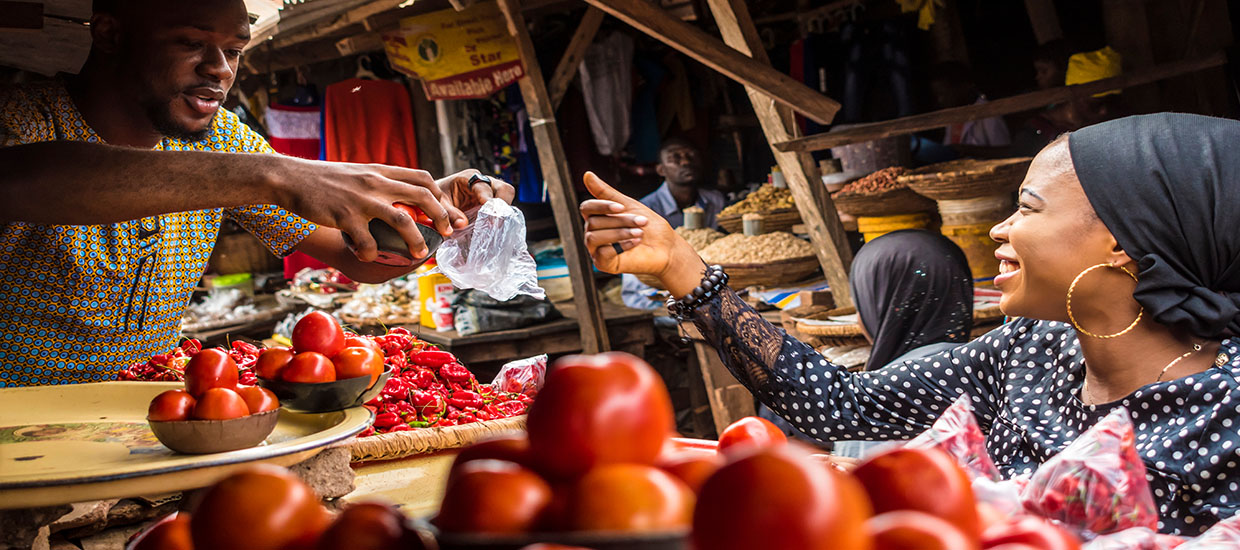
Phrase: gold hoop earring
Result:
[1077,325]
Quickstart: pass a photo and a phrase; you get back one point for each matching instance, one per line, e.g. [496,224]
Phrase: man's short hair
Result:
[673,142]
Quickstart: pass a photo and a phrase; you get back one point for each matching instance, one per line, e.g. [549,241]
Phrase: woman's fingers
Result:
[605,254]
[605,237]
[615,222]
[596,207]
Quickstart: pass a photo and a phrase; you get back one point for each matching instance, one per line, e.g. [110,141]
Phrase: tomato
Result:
[258,399]
[356,341]
[750,430]
[416,213]
[780,498]
[318,332]
[923,480]
[171,405]
[309,367]
[1031,531]
[369,526]
[271,361]
[690,467]
[514,448]
[603,409]
[629,497]
[210,368]
[357,362]
[908,530]
[550,546]
[220,404]
[492,496]
[168,534]
[263,507]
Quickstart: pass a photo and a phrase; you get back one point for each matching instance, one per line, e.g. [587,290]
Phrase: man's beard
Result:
[160,115]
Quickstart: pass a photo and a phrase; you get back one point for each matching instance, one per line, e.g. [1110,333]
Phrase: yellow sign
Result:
[457,55]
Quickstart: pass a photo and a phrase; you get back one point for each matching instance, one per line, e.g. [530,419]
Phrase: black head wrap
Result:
[1167,186]
[912,288]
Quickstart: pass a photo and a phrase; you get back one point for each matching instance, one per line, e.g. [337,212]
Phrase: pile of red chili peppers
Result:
[430,388]
[170,367]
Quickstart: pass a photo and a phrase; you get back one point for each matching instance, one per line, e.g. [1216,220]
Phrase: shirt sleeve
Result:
[278,229]
[22,120]
[828,402]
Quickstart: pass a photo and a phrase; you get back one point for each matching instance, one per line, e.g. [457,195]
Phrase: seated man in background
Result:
[682,167]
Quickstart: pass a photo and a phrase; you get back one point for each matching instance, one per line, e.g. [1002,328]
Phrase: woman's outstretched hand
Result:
[650,245]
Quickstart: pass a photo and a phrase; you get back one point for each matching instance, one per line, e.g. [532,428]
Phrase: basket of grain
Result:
[968,178]
[698,238]
[775,258]
[881,194]
[774,203]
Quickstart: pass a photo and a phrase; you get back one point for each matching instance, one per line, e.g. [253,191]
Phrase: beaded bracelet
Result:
[712,283]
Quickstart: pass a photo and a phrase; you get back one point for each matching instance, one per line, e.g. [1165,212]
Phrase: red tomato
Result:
[168,534]
[369,526]
[629,497]
[220,404]
[1031,531]
[549,546]
[603,409]
[171,405]
[779,497]
[258,399]
[492,496]
[318,332]
[691,468]
[358,362]
[514,448]
[750,430]
[263,507]
[309,367]
[356,341]
[210,368]
[416,213]
[271,361]
[908,530]
[923,480]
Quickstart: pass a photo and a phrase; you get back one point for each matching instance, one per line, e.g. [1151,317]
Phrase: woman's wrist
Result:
[684,272]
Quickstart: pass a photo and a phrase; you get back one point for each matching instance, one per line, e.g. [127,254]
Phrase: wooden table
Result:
[630,330]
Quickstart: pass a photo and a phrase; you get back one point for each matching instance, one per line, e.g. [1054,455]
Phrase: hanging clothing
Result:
[991,132]
[295,130]
[607,83]
[646,139]
[369,121]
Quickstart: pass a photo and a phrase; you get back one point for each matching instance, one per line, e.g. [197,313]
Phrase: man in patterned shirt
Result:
[113,185]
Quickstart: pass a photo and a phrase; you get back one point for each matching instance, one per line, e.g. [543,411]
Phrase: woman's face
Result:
[1053,236]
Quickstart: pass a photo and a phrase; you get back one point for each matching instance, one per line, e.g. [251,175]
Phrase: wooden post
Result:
[576,51]
[1128,31]
[812,199]
[559,185]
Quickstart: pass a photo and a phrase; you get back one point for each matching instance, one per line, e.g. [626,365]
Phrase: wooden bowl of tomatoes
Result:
[325,370]
[213,414]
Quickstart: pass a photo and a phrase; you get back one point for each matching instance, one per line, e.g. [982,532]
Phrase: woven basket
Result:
[429,440]
[967,179]
[775,273]
[775,220]
[888,203]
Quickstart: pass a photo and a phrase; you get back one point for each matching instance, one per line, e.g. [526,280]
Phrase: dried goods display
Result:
[392,302]
[764,199]
[699,238]
[877,182]
[768,247]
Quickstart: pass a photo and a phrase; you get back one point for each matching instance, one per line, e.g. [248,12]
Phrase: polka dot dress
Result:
[78,303]
[1024,379]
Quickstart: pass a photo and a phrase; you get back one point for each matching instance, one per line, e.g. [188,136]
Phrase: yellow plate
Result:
[65,444]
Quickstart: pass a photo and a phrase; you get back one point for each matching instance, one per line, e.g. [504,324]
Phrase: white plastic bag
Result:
[490,255]
[524,376]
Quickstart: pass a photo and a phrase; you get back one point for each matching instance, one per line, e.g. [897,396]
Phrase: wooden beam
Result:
[21,15]
[998,107]
[566,70]
[354,16]
[1045,20]
[812,199]
[559,183]
[709,51]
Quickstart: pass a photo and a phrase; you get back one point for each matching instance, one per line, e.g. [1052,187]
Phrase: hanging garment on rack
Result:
[295,130]
[607,83]
[677,99]
[877,53]
[369,121]
[646,138]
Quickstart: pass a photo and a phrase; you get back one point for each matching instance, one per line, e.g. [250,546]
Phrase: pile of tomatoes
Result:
[212,392]
[321,352]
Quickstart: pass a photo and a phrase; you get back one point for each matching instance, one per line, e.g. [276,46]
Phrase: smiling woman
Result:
[1145,200]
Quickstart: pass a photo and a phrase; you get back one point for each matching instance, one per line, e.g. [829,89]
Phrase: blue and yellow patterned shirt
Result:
[77,303]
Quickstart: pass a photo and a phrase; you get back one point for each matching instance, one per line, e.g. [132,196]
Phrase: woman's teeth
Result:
[1006,267]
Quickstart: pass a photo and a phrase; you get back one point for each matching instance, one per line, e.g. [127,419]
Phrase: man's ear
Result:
[658,169]
[105,32]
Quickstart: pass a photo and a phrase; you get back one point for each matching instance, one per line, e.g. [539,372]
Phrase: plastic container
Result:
[240,281]
[430,289]
[874,227]
[979,248]
[992,209]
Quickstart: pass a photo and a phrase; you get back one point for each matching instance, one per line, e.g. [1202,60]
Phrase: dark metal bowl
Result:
[392,248]
[325,396]
[664,540]
[215,436]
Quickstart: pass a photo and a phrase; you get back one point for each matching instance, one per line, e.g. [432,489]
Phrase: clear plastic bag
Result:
[1097,484]
[490,255]
[524,376]
[1224,535]
[958,434]
[1137,538]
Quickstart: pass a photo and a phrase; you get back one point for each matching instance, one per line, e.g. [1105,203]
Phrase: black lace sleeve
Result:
[830,403]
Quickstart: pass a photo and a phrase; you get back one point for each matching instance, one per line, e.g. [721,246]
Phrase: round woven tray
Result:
[888,203]
[853,330]
[775,220]
[429,440]
[780,272]
[967,179]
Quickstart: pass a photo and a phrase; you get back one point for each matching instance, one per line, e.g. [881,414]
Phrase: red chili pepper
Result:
[422,379]
[400,428]
[511,408]
[395,387]
[466,418]
[400,331]
[245,347]
[454,372]
[432,358]
[369,431]
[465,400]
[191,346]
[387,420]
